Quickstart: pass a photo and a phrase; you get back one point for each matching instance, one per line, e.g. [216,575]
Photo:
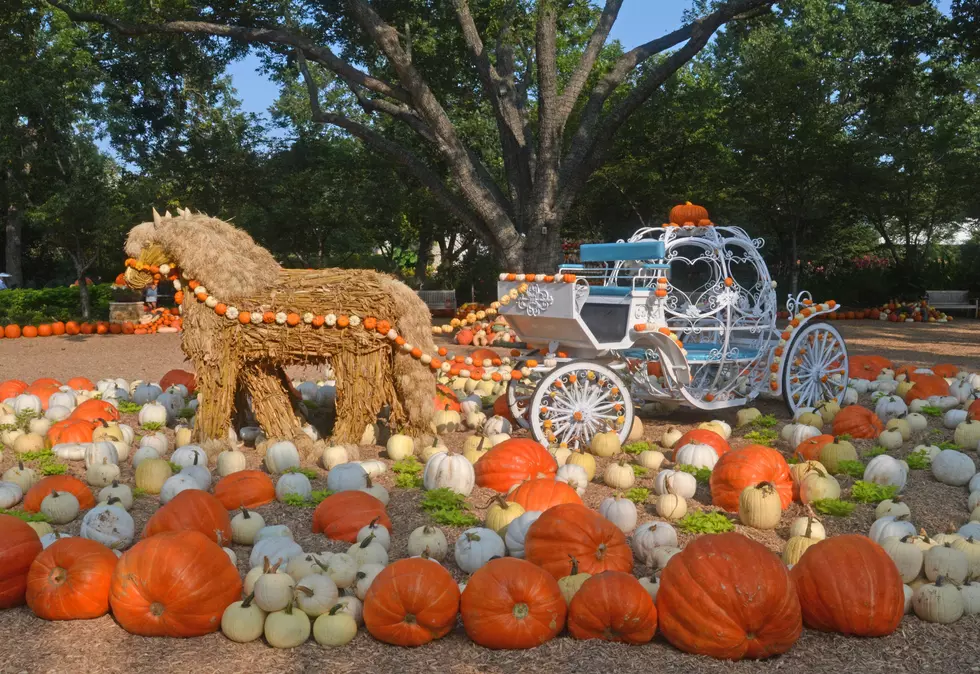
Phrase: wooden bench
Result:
[953,299]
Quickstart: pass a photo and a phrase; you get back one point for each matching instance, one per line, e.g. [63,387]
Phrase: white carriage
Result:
[685,314]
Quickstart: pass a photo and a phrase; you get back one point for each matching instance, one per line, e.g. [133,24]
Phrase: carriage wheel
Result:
[816,368]
[575,401]
[519,393]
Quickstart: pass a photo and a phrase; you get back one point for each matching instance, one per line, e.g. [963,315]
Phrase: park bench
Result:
[953,299]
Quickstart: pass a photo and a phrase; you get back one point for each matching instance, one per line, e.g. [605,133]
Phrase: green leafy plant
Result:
[853,468]
[26,516]
[875,451]
[310,404]
[793,460]
[152,425]
[636,447]
[488,401]
[948,445]
[765,436]
[175,467]
[638,495]
[918,460]
[45,460]
[186,413]
[408,473]
[833,506]
[869,492]
[298,501]
[702,522]
[703,475]
[408,481]
[310,473]
[139,492]
[447,507]
[639,471]
[53,468]
[931,411]
[842,438]
[129,407]
[765,421]
[318,495]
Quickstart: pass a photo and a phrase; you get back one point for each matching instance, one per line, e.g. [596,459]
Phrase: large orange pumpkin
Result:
[926,385]
[182,377]
[192,510]
[613,606]
[248,488]
[689,214]
[95,410]
[70,430]
[46,382]
[809,449]
[512,462]
[446,398]
[340,516]
[411,602]
[849,584]
[858,422]
[863,367]
[574,530]
[744,467]
[80,384]
[11,331]
[57,328]
[501,408]
[945,370]
[12,388]
[543,493]
[728,597]
[70,580]
[72,328]
[700,436]
[20,546]
[36,494]
[29,331]
[511,603]
[973,411]
[176,584]
[481,355]
[44,330]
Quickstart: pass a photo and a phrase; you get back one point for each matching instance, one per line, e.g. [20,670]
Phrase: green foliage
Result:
[918,460]
[139,492]
[318,495]
[638,495]
[408,473]
[948,445]
[408,481]
[765,437]
[703,475]
[33,307]
[639,471]
[833,506]
[186,413]
[447,507]
[765,421]
[869,492]
[152,426]
[26,516]
[45,460]
[703,522]
[298,501]
[310,473]
[793,460]
[853,468]
[175,467]
[128,407]
[875,451]
[931,411]
[310,404]
[636,447]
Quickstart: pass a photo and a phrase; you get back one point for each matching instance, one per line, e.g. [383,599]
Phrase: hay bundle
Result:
[227,355]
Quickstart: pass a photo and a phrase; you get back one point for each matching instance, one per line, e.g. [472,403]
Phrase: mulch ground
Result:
[28,644]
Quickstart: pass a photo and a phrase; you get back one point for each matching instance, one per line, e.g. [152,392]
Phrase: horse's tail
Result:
[414,381]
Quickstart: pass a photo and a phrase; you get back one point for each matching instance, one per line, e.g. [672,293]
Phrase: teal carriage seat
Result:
[621,252]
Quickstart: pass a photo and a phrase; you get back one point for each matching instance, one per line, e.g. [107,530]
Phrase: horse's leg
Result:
[364,386]
[270,400]
[216,384]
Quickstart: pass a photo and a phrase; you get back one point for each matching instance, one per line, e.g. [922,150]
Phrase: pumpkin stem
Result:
[374,523]
[367,540]
[115,483]
[367,482]
[479,447]
[940,581]
[809,527]
[472,537]
[305,590]
[245,514]
[248,600]
[335,608]
[113,499]
[574,565]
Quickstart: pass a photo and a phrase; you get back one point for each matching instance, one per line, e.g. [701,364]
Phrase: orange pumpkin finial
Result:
[689,215]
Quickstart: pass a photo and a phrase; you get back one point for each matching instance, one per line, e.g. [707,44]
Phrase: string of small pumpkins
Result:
[444,362]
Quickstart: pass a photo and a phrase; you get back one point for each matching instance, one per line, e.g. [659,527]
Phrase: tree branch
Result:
[549,128]
[592,50]
[270,36]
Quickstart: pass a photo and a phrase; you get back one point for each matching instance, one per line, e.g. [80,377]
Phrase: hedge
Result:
[33,307]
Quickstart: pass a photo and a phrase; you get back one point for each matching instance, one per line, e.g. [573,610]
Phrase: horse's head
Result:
[144,244]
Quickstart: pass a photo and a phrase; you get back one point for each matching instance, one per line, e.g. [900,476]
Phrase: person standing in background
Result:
[151,296]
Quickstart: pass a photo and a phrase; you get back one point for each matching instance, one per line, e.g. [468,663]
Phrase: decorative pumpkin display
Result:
[192,510]
[70,580]
[452,471]
[62,483]
[340,516]
[866,600]
[175,584]
[511,603]
[613,606]
[755,611]
[759,506]
[20,547]
[543,493]
[572,529]
[858,422]
[512,462]
[245,488]
[749,466]
[411,602]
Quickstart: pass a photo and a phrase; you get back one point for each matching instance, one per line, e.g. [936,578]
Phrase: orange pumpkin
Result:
[246,488]
[858,422]
[689,214]
[192,510]
[744,467]
[575,530]
[411,602]
[176,584]
[70,430]
[501,408]
[12,388]
[973,411]
[866,599]
[182,377]
[511,603]
[809,449]
[446,398]
[80,384]
[701,436]
[11,331]
[926,385]
[36,494]
[340,516]
[512,462]
[115,328]
[945,370]
[57,328]
[863,367]
[543,493]
[87,328]
[70,580]
[29,331]
[72,328]
[44,330]
[613,606]
[20,546]
[94,411]
[730,598]
[481,355]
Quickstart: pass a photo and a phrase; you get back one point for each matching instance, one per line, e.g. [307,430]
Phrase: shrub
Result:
[25,306]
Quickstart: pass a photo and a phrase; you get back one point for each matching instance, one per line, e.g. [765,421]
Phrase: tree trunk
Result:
[83,296]
[794,274]
[14,246]
[422,261]
[542,247]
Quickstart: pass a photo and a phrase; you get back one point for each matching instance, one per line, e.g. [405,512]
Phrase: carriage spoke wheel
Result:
[575,401]
[519,393]
[816,368]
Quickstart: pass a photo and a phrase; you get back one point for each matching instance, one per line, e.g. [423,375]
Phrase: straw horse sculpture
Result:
[227,355]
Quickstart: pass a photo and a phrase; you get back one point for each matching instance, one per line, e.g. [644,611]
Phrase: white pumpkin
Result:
[61,507]
[451,471]
[381,534]
[368,551]
[891,439]
[375,490]
[575,476]
[516,533]
[342,569]
[335,455]
[97,453]
[940,602]
[157,441]
[10,494]
[110,525]
[675,482]
[365,577]
[243,621]
[281,456]
[245,525]
[273,531]
[57,412]
[798,527]
[431,539]
[21,475]
[231,461]
[954,418]
[176,484]
[953,468]
[273,591]
[70,451]
[620,511]
[153,414]
[146,393]
[189,455]
[651,459]
[670,437]
[27,405]
[293,483]
[916,422]
[316,594]
[278,549]
[967,435]
[960,390]
[496,424]
[890,507]
[346,477]
[907,556]
[890,525]
[619,475]
[887,470]
[374,467]
[475,547]
[697,455]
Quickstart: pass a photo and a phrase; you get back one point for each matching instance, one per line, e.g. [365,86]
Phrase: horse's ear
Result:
[167,215]
[156,218]
[186,214]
